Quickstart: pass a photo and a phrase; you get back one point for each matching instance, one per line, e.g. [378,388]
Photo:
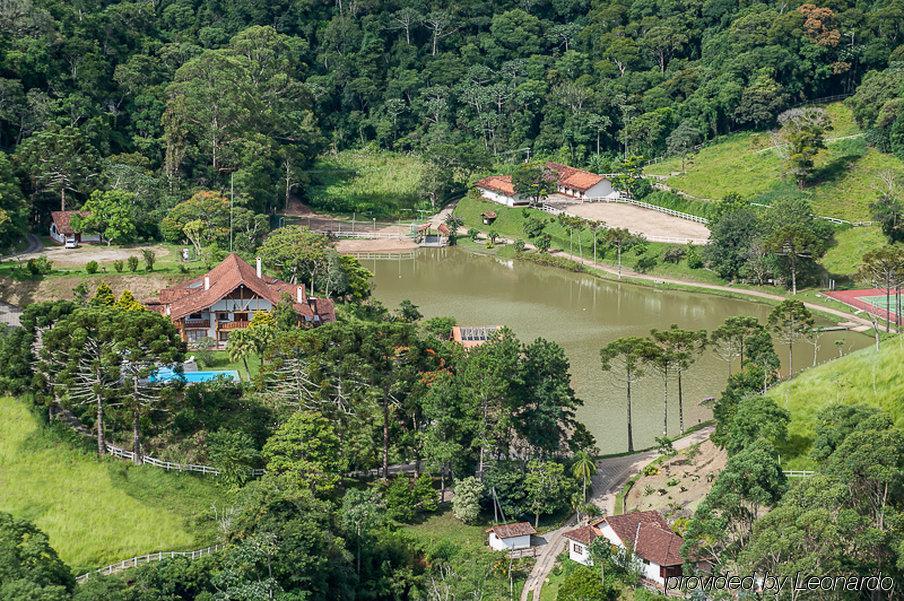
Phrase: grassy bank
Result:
[864,376]
[846,180]
[371,183]
[96,511]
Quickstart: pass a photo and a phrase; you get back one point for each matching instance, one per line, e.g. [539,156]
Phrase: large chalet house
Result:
[644,534]
[225,298]
[573,183]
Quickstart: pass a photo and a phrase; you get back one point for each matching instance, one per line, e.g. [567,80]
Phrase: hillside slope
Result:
[748,164]
[96,512]
[864,376]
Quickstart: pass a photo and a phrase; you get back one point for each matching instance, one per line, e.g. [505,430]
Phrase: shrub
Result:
[673,255]
[149,258]
[118,265]
[645,263]
[694,260]
[519,245]
[39,266]
[133,263]
[472,233]
[232,452]
[91,267]
[466,502]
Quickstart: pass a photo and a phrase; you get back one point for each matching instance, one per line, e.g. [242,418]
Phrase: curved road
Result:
[611,475]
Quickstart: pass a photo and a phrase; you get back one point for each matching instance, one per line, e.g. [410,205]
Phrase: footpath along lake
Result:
[582,313]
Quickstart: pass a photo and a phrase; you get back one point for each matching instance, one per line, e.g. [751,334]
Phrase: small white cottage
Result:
[499,188]
[646,534]
[510,537]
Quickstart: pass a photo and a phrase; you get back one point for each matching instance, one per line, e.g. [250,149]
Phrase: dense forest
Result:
[161,99]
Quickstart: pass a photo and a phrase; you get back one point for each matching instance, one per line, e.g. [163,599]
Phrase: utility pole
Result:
[231,202]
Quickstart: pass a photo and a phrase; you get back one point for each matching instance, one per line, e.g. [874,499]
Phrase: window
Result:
[196,316]
[195,335]
[579,549]
[222,316]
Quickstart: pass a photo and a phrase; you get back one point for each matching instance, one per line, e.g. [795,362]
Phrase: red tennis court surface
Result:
[871,300]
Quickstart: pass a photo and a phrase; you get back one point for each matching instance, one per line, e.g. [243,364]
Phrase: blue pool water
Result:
[165,374]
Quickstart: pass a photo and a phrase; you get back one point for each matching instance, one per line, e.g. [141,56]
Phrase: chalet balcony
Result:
[197,323]
[233,325]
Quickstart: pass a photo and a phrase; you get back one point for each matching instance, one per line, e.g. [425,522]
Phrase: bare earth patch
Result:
[680,483]
[22,293]
[655,226]
[77,257]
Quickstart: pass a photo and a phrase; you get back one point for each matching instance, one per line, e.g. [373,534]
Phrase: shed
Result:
[510,537]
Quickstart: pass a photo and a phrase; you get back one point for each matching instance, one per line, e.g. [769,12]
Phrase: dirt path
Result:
[611,475]
[682,282]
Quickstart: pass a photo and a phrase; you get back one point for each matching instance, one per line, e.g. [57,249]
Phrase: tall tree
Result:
[790,320]
[796,235]
[627,355]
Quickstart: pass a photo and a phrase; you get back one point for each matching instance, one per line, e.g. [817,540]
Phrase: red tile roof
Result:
[62,220]
[658,545]
[512,530]
[584,534]
[625,525]
[498,183]
[576,179]
[191,297]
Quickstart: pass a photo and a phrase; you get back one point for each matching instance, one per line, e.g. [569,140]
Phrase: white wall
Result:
[651,572]
[579,552]
[509,544]
[604,188]
[502,198]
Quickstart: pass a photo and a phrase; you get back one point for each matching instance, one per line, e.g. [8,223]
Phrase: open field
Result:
[747,163]
[862,377]
[371,183]
[97,511]
[651,224]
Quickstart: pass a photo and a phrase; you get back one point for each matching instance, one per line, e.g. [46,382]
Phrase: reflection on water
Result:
[582,313]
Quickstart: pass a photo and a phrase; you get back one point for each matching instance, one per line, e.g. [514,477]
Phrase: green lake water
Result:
[582,313]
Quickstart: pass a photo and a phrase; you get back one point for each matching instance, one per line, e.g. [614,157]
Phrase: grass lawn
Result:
[95,511]
[850,245]
[371,183]
[862,377]
[446,528]
[846,180]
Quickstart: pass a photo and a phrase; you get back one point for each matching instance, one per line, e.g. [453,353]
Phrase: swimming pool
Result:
[166,374]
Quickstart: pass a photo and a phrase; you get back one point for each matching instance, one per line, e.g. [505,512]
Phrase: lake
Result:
[583,313]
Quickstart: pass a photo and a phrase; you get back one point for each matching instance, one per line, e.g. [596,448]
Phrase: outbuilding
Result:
[510,537]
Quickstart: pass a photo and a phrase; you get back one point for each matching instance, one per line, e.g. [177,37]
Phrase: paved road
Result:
[34,245]
[611,475]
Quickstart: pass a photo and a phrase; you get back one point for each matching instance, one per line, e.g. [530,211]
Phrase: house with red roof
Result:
[61,229]
[644,534]
[570,181]
[580,184]
[225,299]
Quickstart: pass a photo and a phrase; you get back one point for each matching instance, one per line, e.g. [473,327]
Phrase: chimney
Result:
[259,268]
[167,309]
[299,294]
[206,282]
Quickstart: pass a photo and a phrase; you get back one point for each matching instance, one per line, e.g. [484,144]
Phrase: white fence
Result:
[798,473]
[627,199]
[134,562]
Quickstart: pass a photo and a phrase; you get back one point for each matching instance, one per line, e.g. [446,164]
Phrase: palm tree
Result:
[241,344]
[584,467]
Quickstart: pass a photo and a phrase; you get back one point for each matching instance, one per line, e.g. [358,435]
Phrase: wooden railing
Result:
[798,473]
[134,562]
[623,197]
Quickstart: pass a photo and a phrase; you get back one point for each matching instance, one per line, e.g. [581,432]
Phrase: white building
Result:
[580,184]
[644,534]
[61,228]
[499,188]
[510,537]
